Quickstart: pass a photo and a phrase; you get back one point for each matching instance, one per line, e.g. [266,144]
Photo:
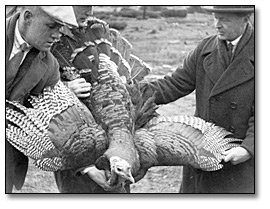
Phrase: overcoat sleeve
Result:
[248,142]
[182,81]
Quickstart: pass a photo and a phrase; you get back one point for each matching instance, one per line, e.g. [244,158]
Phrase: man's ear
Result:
[27,16]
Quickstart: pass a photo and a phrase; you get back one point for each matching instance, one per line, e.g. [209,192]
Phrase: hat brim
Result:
[229,10]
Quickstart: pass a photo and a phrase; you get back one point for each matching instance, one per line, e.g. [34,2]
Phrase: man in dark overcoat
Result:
[30,67]
[224,82]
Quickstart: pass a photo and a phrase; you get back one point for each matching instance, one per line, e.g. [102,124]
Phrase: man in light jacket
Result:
[30,66]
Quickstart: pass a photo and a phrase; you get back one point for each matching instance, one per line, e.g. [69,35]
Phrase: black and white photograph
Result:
[105,100]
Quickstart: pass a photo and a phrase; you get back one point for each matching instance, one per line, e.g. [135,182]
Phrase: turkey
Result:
[122,133]
[99,55]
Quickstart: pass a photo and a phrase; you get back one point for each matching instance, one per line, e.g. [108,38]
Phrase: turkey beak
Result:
[131,179]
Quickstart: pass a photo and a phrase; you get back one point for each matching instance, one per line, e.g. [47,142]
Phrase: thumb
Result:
[226,152]
[229,156]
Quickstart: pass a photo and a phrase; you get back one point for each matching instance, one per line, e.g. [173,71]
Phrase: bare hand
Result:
[236,155]
[80,87]
[99,176]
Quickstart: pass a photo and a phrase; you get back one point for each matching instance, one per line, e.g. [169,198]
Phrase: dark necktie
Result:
[230,51]
[14,64]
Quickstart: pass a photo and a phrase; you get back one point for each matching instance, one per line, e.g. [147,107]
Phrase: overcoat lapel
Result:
[10,32]
[213,66]
[26,79]
[235,75]
[10,28]
[240,70]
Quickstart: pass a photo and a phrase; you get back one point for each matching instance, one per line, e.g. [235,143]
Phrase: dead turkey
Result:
[122,131]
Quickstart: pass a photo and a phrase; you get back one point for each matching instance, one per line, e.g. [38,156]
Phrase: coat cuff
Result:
[248,144]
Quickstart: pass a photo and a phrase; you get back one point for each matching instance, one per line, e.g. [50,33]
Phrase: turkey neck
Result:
[121,144]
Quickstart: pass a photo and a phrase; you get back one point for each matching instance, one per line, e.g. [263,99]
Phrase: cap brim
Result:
[65,24]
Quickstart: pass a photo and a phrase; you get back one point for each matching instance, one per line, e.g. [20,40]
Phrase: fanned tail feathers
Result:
[139,68]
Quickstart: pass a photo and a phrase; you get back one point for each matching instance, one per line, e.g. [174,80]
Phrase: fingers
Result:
[99,176]
[236,155]
[83,90]
[228,156]
[80,87]
[83,95]
[231,156]
[79,80]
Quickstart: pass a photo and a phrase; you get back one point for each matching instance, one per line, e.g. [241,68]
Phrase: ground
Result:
[162,43]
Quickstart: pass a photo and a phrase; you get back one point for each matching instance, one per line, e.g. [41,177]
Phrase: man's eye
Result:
[53,26]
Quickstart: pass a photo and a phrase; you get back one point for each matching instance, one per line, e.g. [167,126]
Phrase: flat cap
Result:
[62,14]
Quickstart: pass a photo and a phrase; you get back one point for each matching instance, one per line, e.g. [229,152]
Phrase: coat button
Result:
[232,129]
[212,100]
[233,105]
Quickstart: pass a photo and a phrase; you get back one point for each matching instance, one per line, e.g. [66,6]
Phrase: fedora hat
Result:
[229,9]
[61,14]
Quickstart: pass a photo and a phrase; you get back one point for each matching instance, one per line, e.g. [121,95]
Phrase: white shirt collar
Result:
[235,41]
[18,41]
[18,38]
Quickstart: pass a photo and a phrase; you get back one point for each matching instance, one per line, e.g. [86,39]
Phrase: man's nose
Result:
[217,24]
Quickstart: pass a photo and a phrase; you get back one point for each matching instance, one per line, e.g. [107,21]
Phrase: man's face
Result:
[229,26]
[82,13]
[42,31]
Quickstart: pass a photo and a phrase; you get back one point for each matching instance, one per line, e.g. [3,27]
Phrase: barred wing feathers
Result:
[183,140]
[58,132]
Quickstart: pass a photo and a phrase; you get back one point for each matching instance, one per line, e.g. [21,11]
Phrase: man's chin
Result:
[221,37]
[45,49]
